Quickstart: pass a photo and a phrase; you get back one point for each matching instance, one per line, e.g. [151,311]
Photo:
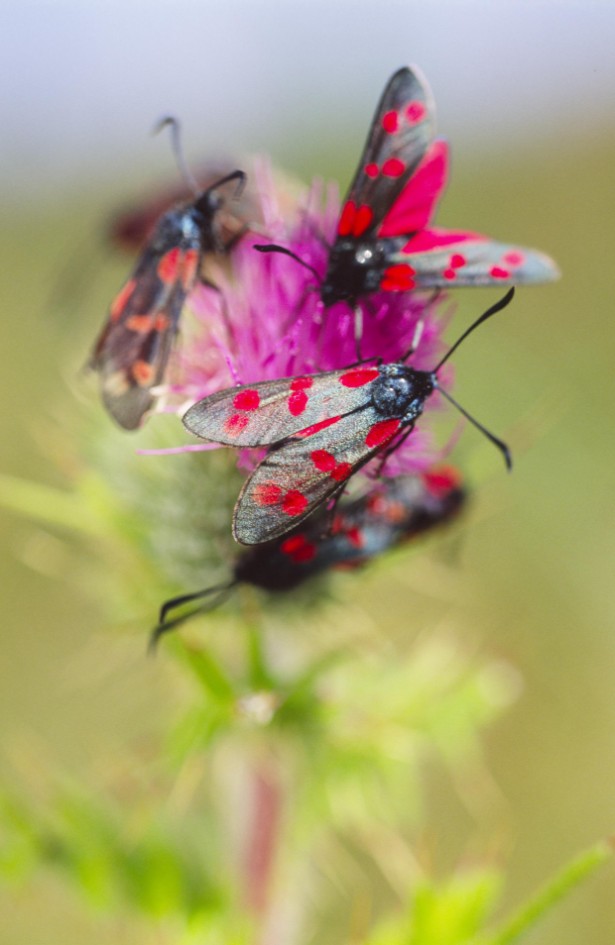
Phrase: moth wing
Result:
[133,349]
[304,471]
[269,411]
[440,258]
[416,204]
[402,129]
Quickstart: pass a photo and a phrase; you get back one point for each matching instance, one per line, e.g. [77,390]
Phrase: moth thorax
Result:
[208,203]
[364,255]
[180,228]
[353,271]
[400,388]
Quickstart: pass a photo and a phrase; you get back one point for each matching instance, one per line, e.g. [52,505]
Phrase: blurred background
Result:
[525,92]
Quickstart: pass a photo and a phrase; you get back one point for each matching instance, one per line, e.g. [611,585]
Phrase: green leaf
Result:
[47,505]
[565,881]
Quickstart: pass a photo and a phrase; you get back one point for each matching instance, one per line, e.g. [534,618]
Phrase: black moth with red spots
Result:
[321,429]
[133,349]
[385,241]
[393,512]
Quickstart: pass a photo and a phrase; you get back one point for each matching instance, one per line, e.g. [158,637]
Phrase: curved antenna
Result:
[241,176]
[274,248]
[172,122]
[503,448]
[497,307]
[164,626]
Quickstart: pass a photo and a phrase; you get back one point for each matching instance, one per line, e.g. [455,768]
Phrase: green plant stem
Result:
[564,881]
[262,840]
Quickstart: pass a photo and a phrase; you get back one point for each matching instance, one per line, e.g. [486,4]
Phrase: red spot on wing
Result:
[436,238]
[362,220]
[161,322]
[169,265]
[140,323]
[349,212]
[294,502]
[390,122]
[325,461]
[143,373]
[371,170]
[355,537]
[266,493]
[119,303]
[297,402]
[393,167]
[190,269]
[342,471]
[247,400]
[457,261]
[398,278]
[513,258]
[301,383]
[374,503]
[440,481]
[298,549]
[359,377]
[236,424]
[415,112]
[393,512]
[317,427]
[412,210]
[498,273]
[382,431]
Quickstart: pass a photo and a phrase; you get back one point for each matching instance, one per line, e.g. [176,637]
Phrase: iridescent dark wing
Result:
[437,258]
[305,470]
[420,257]
[133,349]
[270,411]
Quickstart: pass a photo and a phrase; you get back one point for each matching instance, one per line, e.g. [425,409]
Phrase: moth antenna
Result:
[164,626]
[503,448]
[173,124]
[241,176]
[497,307]
[274,248]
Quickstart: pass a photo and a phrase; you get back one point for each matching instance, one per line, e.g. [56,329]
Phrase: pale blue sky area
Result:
[84,80]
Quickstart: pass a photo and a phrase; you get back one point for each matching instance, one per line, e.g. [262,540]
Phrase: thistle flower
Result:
[266,321]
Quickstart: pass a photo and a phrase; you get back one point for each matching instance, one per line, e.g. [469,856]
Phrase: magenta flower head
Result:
[267,320]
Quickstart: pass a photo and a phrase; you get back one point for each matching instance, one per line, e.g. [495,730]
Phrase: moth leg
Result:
[391,449]
[358,330]
[332,504]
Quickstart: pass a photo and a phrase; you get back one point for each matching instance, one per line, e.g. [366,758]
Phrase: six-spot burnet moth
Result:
[391,513]
[320,430]
[133,349]
[384,240]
